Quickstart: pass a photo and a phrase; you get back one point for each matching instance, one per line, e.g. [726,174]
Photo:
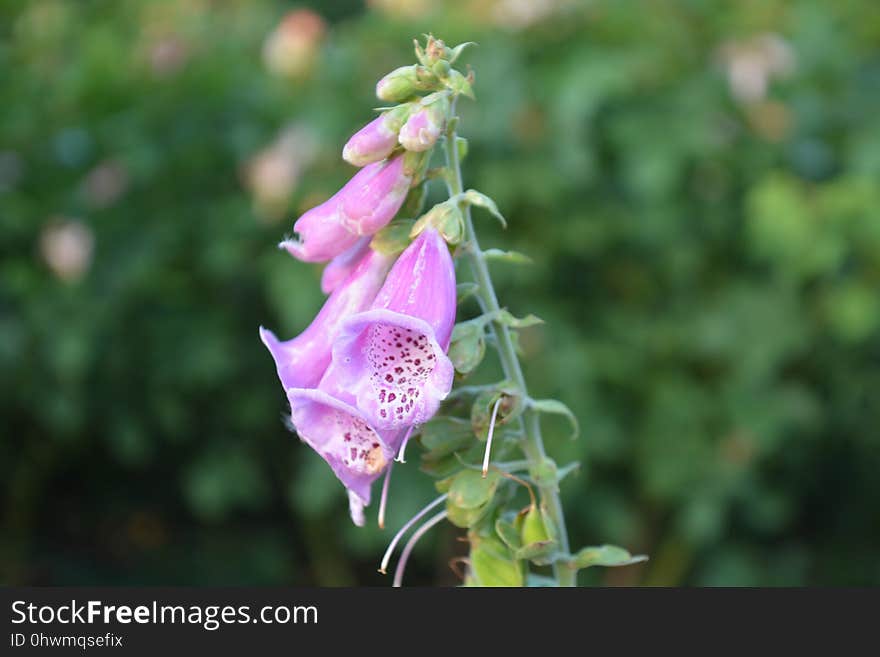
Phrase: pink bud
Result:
[363,206]
[373,196]
[377,139]
[322,235]
[424,127]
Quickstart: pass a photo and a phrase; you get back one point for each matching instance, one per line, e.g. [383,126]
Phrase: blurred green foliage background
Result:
[698,183]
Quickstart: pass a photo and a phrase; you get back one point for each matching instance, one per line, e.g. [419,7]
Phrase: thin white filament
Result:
[489,438]
[403,530]
[411,543]
[383,501]
[401,453]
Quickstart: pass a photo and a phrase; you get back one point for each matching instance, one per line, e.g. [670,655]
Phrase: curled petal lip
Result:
[352,369]
[310,426]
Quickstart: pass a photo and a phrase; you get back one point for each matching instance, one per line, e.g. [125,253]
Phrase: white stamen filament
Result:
[403,530]
[401,453]
[489,438]
[408,548]
[383,501]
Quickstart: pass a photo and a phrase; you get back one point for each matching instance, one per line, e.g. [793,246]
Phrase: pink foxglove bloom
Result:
[424,127]
[328,421]
[392,358]
[363,206]
[377,139]
[338,269]
[374,195]
[302,361]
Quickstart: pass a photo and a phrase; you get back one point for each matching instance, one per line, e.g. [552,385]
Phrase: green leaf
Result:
[470,490]
[514,257]
[604,555]
[556,407]
[468,346]
[444,435]
[474,197]
[504,317]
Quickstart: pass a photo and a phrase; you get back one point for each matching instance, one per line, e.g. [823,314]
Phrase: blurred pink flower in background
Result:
[291,49]
[67,246]
[272,174]
[751,65]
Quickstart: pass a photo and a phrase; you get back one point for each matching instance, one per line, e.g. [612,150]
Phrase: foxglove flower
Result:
[392,357]
[364,205]
[377,139]
[424,127]
[302,361]
[338,269]
[328,421]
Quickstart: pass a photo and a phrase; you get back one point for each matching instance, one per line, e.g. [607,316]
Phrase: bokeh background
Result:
[697,181]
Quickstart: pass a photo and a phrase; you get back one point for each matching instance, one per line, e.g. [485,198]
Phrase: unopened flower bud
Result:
[424,127]
[403,82]
[441,68]
[378,138]
[533,529]
[398,85]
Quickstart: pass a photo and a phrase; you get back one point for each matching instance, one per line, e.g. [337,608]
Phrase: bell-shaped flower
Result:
[327,420]
[378,138]
[338,269]
[392,358]
[363,206]
[302,361]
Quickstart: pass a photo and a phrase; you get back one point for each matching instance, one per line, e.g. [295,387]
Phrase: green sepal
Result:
[394,238]
[493,564]
[509,533]
[459,83]
[457,50]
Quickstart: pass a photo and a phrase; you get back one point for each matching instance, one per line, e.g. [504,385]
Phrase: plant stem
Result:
[532,444]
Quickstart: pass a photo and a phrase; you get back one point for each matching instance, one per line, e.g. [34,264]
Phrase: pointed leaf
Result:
[556,407]
[604,555]
[504,317]
[474,197]
[514,257]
